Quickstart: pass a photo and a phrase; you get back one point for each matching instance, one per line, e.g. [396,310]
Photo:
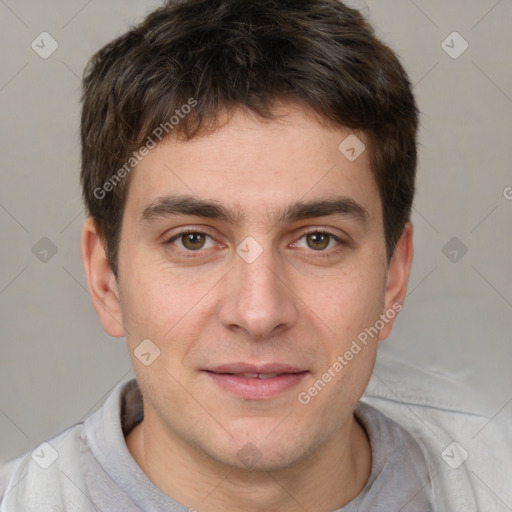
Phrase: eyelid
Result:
[322,231]
[187,231]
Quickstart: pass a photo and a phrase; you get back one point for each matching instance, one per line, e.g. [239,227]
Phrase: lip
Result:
[239,367]
[233,378]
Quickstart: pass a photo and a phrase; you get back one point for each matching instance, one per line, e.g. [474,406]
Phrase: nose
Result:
[257,299]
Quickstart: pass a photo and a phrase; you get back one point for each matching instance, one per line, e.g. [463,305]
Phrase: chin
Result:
[265,452]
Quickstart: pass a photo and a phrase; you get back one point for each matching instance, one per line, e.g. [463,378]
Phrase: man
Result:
[248,169]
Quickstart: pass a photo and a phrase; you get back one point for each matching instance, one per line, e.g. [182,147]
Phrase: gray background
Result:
[57,365]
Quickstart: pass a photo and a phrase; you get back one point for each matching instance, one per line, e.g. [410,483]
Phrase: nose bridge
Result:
[258,277]
[257,298]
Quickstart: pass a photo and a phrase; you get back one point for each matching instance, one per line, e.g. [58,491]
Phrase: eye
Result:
[191,241]
[318,241]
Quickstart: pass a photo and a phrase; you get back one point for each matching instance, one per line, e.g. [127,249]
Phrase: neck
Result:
[326,480]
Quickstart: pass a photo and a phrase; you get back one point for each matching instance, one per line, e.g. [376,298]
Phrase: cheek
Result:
[160,304]
[350,309]
[144,302]
[351,302]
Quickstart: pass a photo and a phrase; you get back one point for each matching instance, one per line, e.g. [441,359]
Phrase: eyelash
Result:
[196,254]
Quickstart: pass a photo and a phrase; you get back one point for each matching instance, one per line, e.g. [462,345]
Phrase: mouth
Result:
[262,376]
[253,382]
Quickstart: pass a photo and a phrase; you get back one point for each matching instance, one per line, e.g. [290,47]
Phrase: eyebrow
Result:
[168,206]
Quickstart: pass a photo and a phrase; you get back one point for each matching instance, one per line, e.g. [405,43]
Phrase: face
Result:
[254,259]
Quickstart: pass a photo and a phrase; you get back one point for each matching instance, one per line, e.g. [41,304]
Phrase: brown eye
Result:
[318,241]
[188,242]
[193,241]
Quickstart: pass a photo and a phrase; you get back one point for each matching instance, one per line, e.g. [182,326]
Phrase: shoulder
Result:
[53,476]
[465,446]
[48,478]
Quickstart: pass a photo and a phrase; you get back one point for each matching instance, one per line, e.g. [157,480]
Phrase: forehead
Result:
[258,167]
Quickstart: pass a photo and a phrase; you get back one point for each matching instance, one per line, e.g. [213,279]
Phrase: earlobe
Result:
[101,281]
[398,278]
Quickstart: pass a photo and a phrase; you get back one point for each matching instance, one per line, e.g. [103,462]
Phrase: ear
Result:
[101,281]
[398,278]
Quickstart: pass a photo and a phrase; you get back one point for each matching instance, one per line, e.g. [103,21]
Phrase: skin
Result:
[296,303]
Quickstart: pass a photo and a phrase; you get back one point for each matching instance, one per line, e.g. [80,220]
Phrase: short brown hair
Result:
[244,53]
